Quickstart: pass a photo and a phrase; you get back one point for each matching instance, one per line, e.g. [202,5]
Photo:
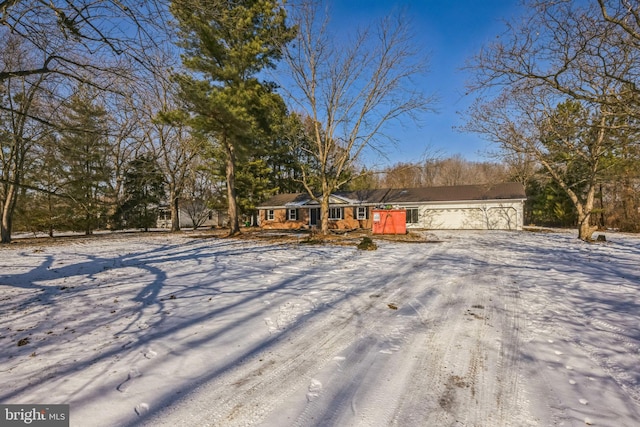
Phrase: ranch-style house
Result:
[464,207]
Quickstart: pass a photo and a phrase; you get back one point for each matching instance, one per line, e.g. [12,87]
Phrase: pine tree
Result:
[84,151]
[143,191]
[42,210]
[226,45]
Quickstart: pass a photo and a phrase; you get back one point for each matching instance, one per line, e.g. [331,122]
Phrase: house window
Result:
[336,213]
[292,214]
[412,215]
[362,212]
[270,215]
[165,213]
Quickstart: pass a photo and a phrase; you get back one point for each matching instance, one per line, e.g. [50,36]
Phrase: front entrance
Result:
[314,216]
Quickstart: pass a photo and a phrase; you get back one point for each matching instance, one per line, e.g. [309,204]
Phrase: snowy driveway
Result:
[479,329]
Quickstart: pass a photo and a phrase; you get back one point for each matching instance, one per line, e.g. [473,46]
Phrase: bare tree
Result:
[570,141]
[402,175]
[454,170]
[562,52]
[21,101]
[78,39]
[350,91]
[172,143]
[201,196]
[126,127]
[624,16]
[451,171]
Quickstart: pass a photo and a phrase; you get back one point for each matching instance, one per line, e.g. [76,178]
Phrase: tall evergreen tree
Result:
[143,190]
[287,154]
[84,151]
[226,45]
[41,209]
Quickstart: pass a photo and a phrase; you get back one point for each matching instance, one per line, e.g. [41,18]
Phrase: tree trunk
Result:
[602,223]
[50,214]
[324,209]
[87,228]
[630,209]
[5,228]
[585,229]
[234,224]
[146,217]
[7,214]
[174,202]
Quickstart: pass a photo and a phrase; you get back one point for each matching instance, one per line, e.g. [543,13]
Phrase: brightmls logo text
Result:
[34,415]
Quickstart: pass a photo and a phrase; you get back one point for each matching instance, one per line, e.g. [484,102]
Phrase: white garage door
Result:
[495,218]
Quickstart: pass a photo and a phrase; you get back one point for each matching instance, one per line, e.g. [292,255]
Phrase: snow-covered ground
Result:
[479,329]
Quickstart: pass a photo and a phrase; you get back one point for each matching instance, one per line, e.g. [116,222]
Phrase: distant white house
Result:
[202,217]
[461,207]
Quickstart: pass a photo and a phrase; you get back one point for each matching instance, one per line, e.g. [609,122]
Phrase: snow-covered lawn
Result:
[479,329]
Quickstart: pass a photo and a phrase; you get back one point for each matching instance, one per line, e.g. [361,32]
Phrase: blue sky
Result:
[450,32]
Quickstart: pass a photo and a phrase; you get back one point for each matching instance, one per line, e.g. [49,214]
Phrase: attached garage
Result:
[462,207]
[469,216]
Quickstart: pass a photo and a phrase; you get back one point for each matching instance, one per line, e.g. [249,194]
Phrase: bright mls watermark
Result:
[34,415]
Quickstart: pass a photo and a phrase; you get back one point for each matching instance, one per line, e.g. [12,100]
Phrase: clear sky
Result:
[450,31]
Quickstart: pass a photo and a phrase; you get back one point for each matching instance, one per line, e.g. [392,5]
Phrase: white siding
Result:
[489,215]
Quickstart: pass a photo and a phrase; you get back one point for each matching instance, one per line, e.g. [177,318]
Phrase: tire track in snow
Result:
[250,392]
[379,354]
[507,316]
[454,382]
[353,347]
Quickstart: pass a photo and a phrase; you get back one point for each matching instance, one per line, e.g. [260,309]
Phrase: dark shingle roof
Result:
[506,191]
[285,199]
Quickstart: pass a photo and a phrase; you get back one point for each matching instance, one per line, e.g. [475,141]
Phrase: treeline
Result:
[110,162]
